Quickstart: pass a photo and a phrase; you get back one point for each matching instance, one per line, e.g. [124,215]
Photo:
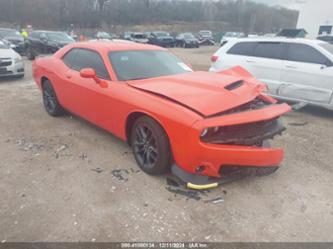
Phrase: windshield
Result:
[134,65]
[328,47]
[9,33]
[59,36]
[3,45]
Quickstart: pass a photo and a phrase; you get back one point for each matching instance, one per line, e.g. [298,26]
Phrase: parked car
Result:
[294,69]
[186,40]
[171,116]
[138,37]
[162,39]
[206,37]
[126,35]
[230,36]
[103,35]
[11,63]
[15,38]
[326,38]
[46,42]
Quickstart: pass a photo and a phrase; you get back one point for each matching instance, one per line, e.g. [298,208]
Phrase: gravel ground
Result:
[63,179]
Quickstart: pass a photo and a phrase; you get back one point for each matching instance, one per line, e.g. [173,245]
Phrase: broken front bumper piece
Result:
[201,182]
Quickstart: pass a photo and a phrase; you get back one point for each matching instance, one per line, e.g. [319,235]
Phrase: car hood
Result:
[205,93]
[15,38]
[7,53]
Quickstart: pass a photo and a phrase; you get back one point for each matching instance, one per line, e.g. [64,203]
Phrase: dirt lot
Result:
[62,179]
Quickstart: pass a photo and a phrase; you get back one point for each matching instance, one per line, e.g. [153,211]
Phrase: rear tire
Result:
[51,103]
[150,146]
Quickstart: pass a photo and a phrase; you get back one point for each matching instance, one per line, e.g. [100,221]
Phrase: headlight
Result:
[209,130]
[18,60]
[204,132]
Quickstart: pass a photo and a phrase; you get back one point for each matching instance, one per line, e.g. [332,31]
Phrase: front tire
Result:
[150,146]
[51,103]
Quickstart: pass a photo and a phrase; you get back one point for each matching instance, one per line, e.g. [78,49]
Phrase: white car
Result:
[231,36]
[298,70]
[11,63]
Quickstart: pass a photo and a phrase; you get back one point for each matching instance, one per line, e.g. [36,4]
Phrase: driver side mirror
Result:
[89,73]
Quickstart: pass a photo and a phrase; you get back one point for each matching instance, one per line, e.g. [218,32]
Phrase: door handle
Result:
[291,67]
[68,75]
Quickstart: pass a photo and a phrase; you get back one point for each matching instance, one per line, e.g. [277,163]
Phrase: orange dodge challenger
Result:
[206,127]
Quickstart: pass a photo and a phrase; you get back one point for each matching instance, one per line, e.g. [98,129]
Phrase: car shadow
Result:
[317,111]
[7,79]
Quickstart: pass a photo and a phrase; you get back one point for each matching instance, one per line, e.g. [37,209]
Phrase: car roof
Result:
[107,46]
[280,39]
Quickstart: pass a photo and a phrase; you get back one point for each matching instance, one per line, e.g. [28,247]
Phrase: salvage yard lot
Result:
[63,179]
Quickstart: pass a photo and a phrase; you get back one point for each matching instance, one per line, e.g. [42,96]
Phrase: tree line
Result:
[238,15]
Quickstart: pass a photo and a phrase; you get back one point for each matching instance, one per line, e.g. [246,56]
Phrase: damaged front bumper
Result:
[235,147]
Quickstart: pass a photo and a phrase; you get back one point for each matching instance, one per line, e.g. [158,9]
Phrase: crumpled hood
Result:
[206,93]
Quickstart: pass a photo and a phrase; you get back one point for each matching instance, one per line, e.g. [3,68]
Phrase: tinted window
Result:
[89,59]
[271,50]
[133,65]
[69,57]
[34,35]
[58,36]
[305,53]
[243,48]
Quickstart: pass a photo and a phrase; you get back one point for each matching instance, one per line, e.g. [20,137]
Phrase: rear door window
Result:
[305,53]
[86,58]
[271,50]
[243,48]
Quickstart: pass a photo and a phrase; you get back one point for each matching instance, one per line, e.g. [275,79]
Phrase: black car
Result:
[15,39]
[186,40]
[46,42]
[162,39]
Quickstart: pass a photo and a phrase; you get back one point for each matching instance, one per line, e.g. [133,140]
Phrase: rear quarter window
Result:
[243,48]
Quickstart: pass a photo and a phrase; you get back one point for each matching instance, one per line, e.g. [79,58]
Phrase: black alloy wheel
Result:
[50,100]
[150,146]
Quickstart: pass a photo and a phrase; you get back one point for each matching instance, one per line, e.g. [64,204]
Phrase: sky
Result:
[313,13]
